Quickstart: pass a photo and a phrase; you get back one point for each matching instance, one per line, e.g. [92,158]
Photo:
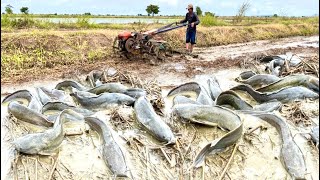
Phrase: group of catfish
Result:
[209,105]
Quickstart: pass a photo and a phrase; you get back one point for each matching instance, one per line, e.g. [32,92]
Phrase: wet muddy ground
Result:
[257,155]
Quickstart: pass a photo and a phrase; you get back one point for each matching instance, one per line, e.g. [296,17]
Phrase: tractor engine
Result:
[122,39]
[131,41]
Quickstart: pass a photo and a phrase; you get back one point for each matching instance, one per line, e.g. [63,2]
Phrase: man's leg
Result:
[188,38]
[192,40]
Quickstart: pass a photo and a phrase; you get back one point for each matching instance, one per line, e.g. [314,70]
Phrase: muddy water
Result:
[239,49]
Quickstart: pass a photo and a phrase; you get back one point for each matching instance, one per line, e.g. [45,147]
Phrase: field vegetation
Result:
[39,49]
[11,22]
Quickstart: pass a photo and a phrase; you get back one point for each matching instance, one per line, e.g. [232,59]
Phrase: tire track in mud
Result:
[235,50]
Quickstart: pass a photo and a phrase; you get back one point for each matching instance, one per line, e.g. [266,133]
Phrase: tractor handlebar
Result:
[169,28]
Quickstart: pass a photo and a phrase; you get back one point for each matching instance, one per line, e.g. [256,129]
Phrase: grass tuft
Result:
[211,21]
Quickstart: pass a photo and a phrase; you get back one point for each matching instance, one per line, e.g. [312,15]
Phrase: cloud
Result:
[225,4]
[4,4]
[169,2]
[205,2]
[59,2]
[254,10]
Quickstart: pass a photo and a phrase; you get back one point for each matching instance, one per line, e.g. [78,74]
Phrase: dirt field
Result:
[256,158]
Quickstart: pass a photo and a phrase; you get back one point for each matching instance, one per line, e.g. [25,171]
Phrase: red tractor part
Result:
[124,35]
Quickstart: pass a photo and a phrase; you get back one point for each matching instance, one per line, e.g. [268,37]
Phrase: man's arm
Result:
[184,20]
[197,19]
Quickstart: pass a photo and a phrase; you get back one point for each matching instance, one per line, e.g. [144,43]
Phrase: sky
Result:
[167,7]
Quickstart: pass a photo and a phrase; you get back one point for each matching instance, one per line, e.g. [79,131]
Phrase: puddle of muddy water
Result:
[236,50]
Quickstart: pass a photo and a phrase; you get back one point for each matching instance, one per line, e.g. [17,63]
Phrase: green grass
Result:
[29,22]
[212,21]
[11,22]
[24,22]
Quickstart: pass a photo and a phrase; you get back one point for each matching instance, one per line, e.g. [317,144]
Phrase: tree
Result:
[24,10]
[8,9]
[199,11]
[209,14]
[275,15]
[242,11]
[87,14]
[152,9]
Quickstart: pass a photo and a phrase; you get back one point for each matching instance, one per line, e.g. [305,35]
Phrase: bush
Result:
[5,21]
[209,20]
[209,14]
[25,22]
[84,22]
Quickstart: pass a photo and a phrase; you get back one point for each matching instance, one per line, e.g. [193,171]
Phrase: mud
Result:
[256,158]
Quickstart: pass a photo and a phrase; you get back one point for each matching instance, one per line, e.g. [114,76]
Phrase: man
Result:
[193,21]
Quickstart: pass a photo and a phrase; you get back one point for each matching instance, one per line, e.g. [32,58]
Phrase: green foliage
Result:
[198,11]
[8,9]
[275,15]
[84,22]
[209,14]
[5,21]
[209,20]
[25,22]
[24,10]
[312,20]
[19,23]
[87,14]
[152,9]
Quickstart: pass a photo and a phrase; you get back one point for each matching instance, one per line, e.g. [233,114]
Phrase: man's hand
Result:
[192,24]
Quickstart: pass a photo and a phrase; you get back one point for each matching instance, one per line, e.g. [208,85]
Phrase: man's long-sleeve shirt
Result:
[191,18]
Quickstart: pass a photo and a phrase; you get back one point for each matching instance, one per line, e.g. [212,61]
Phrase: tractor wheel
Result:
[169,50]
[115,45]
[130,42]
[160,53]
[129,56]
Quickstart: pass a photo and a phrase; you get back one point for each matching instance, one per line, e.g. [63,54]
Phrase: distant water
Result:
[111,20]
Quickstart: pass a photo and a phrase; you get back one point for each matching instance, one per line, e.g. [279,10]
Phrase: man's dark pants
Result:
[191,37]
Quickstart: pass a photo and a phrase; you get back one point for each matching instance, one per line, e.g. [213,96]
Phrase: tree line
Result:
[151,10]
[23,10]
[154,9]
